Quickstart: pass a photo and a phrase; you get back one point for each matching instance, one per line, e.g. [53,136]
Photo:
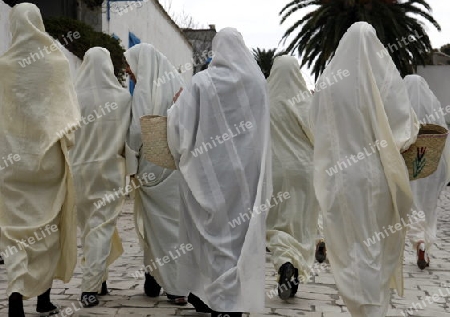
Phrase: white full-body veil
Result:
[426,190]
[98,162]
[157,200]
[39,109]
[291,224]
[363,188]
[218,132]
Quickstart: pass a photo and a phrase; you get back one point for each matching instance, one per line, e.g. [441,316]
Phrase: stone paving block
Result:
[313,296]
[328,308]
[294,313]
[293,303]
[329,314]
[138,302]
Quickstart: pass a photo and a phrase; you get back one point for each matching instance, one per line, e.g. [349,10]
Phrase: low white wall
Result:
[5,34]
[438,78]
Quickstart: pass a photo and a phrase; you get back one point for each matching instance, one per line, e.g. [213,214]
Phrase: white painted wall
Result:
[5,34]
[150,25]
[438,78]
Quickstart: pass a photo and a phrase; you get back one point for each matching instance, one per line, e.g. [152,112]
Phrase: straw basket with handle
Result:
[154,139]
[422,158]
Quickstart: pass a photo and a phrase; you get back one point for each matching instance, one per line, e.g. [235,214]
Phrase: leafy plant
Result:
[60,27]
[92,4]
[446,49]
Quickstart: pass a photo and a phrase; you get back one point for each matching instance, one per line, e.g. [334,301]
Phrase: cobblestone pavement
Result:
[429,289]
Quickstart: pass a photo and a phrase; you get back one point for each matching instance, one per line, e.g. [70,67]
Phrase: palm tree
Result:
[323,27]
[264,59]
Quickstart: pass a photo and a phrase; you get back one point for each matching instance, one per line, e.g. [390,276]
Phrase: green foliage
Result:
[446,49]
[92,4]
[316,36]
[264,59]
[59,28]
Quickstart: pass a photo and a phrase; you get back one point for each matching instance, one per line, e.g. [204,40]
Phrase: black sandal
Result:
[286,272]
[295,283]
[44,305]
[321,251]
[104,290]
[52,310]
[151,287]
[199,305]
[15,305]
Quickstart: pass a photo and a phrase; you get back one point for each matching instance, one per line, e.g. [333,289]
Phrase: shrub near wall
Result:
[92,4]
[58,28]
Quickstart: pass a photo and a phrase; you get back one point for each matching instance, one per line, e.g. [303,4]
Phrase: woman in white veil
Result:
[361,122]
[291,224]
[422,234]
[218,133]
[157,200]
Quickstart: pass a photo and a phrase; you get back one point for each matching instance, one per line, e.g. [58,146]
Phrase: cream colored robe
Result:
[98,162]
[228,182]
[292,224]
[157,201]
[364,101]
[427,190]
[39,108]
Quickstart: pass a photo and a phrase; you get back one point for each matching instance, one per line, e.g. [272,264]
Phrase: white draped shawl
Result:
[157,201]
[39,107]
[365,102]
[227,181]
[292,224]
[426,190]
[98,163]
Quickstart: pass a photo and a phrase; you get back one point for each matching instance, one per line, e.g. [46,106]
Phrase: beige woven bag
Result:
[154,139]
[422,158]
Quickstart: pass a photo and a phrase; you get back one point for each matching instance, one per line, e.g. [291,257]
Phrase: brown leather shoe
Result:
[321,251]
[423,261]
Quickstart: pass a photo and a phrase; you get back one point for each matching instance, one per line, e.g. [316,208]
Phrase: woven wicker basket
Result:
[422,158]
[154,139]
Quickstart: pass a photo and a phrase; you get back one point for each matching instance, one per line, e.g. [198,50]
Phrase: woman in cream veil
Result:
[370,190]
[98,163]
[291,224]
[422,233]
[39,110]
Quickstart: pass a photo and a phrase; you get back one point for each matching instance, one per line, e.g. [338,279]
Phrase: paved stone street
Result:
[317,299]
